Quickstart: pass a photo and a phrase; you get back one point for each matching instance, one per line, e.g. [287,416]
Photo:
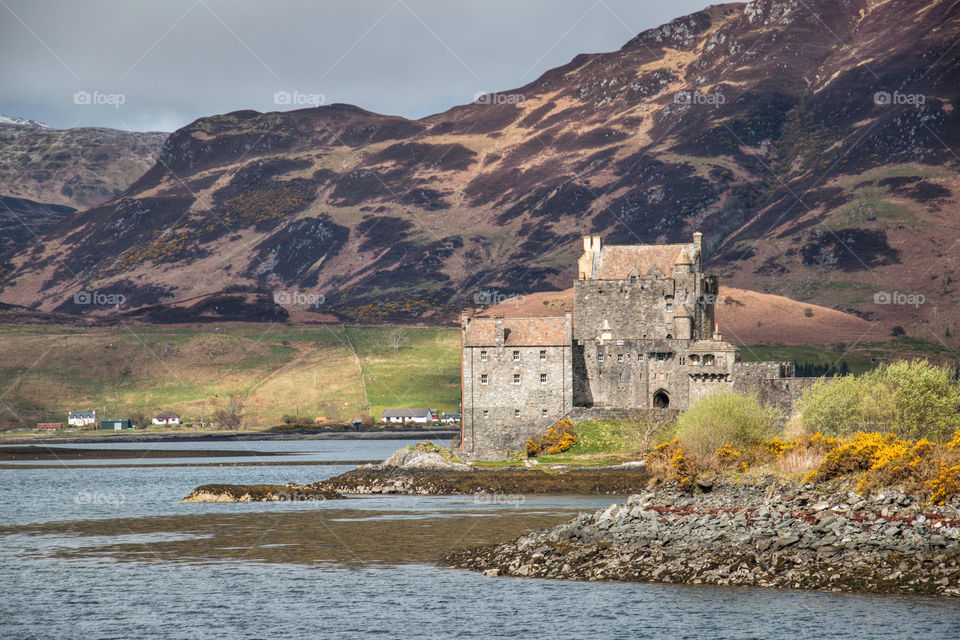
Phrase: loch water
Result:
[107,550]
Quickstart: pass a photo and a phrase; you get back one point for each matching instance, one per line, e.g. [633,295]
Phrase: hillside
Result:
[195,370]
[756,123]
[47,173]
[744,318]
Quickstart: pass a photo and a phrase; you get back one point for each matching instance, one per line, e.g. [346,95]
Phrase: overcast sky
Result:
[160,64]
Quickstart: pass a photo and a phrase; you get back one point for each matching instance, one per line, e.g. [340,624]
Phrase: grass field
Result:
[274,370]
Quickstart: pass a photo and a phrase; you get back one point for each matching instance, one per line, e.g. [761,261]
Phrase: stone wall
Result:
[491,426]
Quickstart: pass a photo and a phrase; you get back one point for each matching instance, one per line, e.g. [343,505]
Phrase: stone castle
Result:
[642,334]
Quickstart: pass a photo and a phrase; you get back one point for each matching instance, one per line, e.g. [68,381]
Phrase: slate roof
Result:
[620,261]
[406,413]
[518,332]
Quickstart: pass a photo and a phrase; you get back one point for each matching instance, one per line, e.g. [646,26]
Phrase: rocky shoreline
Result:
[435,482]
[259,493]
[782,536]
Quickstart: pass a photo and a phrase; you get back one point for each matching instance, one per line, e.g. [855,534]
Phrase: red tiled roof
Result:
[518,332]
[617,261]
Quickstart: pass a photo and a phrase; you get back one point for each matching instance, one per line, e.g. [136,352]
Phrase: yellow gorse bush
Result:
[884,459]
[559,438]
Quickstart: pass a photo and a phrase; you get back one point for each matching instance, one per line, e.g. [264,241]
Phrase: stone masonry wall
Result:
[491,426]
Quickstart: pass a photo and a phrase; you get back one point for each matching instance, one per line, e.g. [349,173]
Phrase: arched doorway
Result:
[661,399]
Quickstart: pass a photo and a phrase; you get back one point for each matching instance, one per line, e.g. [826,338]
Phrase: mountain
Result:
[812,142]
[46,173]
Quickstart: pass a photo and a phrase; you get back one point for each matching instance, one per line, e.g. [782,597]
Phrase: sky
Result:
[157,65]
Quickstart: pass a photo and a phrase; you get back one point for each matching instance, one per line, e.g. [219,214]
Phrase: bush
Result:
[725,418]
[909,399]
[558,438]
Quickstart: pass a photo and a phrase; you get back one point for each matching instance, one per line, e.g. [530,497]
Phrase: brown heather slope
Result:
[803,185]
[745,317]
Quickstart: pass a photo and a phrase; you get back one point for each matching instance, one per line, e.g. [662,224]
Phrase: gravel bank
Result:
[766,536]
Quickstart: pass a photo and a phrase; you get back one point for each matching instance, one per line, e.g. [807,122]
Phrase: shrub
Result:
[726,417]
[910,399]
[883,459]
[558,438]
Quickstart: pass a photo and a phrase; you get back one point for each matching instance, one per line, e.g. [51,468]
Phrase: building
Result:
[516,379]
[82,418]
[450,418]
[418,416]
[165,418]
[49,426]
[643,335]
[116,424]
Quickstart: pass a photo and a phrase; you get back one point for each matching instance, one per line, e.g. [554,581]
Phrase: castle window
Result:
[543,412]
[599,357]
[486,414]
[516,413]
[639,357]
[516,378]
[708,359]
[543,354]
[543,378]
[683,359]
[619,343]
[484,378]
[516,355]
[619,357]
[694,359]
[669,307]
[483,355]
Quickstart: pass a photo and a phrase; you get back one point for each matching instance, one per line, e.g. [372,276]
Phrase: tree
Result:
[232,415]
[398,339]
[898,331]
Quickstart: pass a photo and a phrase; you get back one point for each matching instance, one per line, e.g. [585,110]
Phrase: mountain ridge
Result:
[745,121]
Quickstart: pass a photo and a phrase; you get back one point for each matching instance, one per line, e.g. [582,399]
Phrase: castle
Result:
[642,334]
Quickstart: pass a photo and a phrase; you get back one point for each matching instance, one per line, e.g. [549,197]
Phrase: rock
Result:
[491,573]
[426,455]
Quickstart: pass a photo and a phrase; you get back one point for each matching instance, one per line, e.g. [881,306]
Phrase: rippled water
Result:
[112,553]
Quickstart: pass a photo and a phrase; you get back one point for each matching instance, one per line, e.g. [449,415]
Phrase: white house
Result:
[82,418]
[166,417]
[419,416]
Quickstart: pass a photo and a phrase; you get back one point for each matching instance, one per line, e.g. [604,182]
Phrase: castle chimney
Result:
[595,242]
[586,243]
[499,331]
[716,332]
[698,248]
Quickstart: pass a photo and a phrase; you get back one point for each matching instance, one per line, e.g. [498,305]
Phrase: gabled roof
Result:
[620,261]
[518,332]
[166,415]
[406,413]
[82,414]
